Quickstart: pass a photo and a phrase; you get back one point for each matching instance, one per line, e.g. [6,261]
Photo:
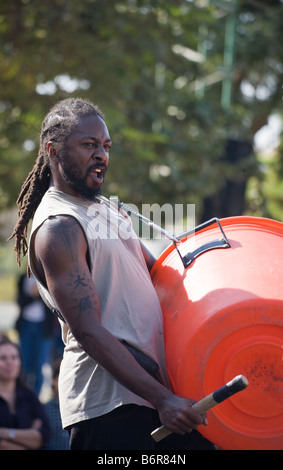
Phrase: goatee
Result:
[78,184]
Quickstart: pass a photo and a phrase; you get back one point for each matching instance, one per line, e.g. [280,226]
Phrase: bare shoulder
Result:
[62,223]
[60,238]
[60,262]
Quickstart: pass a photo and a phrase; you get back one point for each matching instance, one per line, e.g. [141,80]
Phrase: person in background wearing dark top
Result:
[36,326]
[23,422]
[59,439]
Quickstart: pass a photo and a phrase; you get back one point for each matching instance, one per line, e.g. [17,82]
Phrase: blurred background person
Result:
[23,422]
[2,336]
[59,438]
[38,332]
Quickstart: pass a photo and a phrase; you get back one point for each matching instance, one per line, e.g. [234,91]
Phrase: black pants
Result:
[128,428]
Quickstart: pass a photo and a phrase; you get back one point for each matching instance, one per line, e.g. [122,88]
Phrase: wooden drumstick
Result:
[236,385]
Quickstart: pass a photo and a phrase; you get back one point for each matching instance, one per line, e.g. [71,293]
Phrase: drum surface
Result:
[223,316]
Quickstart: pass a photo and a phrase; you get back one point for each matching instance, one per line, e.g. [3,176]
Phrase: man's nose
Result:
[100,154]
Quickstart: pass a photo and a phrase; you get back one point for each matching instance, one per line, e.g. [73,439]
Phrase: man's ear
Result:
[52,152]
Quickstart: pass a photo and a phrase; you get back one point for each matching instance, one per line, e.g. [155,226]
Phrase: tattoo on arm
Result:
[84,304]
[80,281]
[84,297]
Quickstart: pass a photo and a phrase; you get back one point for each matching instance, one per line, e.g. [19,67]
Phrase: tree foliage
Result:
[158,70]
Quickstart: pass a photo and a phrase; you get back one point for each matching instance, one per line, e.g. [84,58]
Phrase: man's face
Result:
[85,158]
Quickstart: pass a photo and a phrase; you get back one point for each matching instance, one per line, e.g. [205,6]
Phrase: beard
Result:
[79,183]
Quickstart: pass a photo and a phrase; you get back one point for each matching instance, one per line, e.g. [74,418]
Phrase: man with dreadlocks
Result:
[97,277]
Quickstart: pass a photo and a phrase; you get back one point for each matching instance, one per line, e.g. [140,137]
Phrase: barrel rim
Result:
[263,222]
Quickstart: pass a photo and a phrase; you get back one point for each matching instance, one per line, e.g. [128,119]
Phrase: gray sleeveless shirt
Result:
[130,308]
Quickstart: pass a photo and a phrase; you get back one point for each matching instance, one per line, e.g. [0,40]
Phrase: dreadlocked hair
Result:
[57,126]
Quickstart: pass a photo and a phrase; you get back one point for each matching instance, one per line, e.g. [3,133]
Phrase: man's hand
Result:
[177,414]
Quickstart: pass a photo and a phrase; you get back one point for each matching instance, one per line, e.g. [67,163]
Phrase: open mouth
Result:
[98,174]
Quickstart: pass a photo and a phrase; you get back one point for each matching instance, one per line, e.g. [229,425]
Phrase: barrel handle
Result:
[220,243]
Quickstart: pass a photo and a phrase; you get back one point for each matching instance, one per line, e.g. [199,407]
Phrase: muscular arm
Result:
[61,253]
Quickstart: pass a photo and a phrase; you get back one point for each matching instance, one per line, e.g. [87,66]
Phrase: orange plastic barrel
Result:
[223,316]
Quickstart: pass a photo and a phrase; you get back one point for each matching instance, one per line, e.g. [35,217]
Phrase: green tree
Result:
[158,69]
